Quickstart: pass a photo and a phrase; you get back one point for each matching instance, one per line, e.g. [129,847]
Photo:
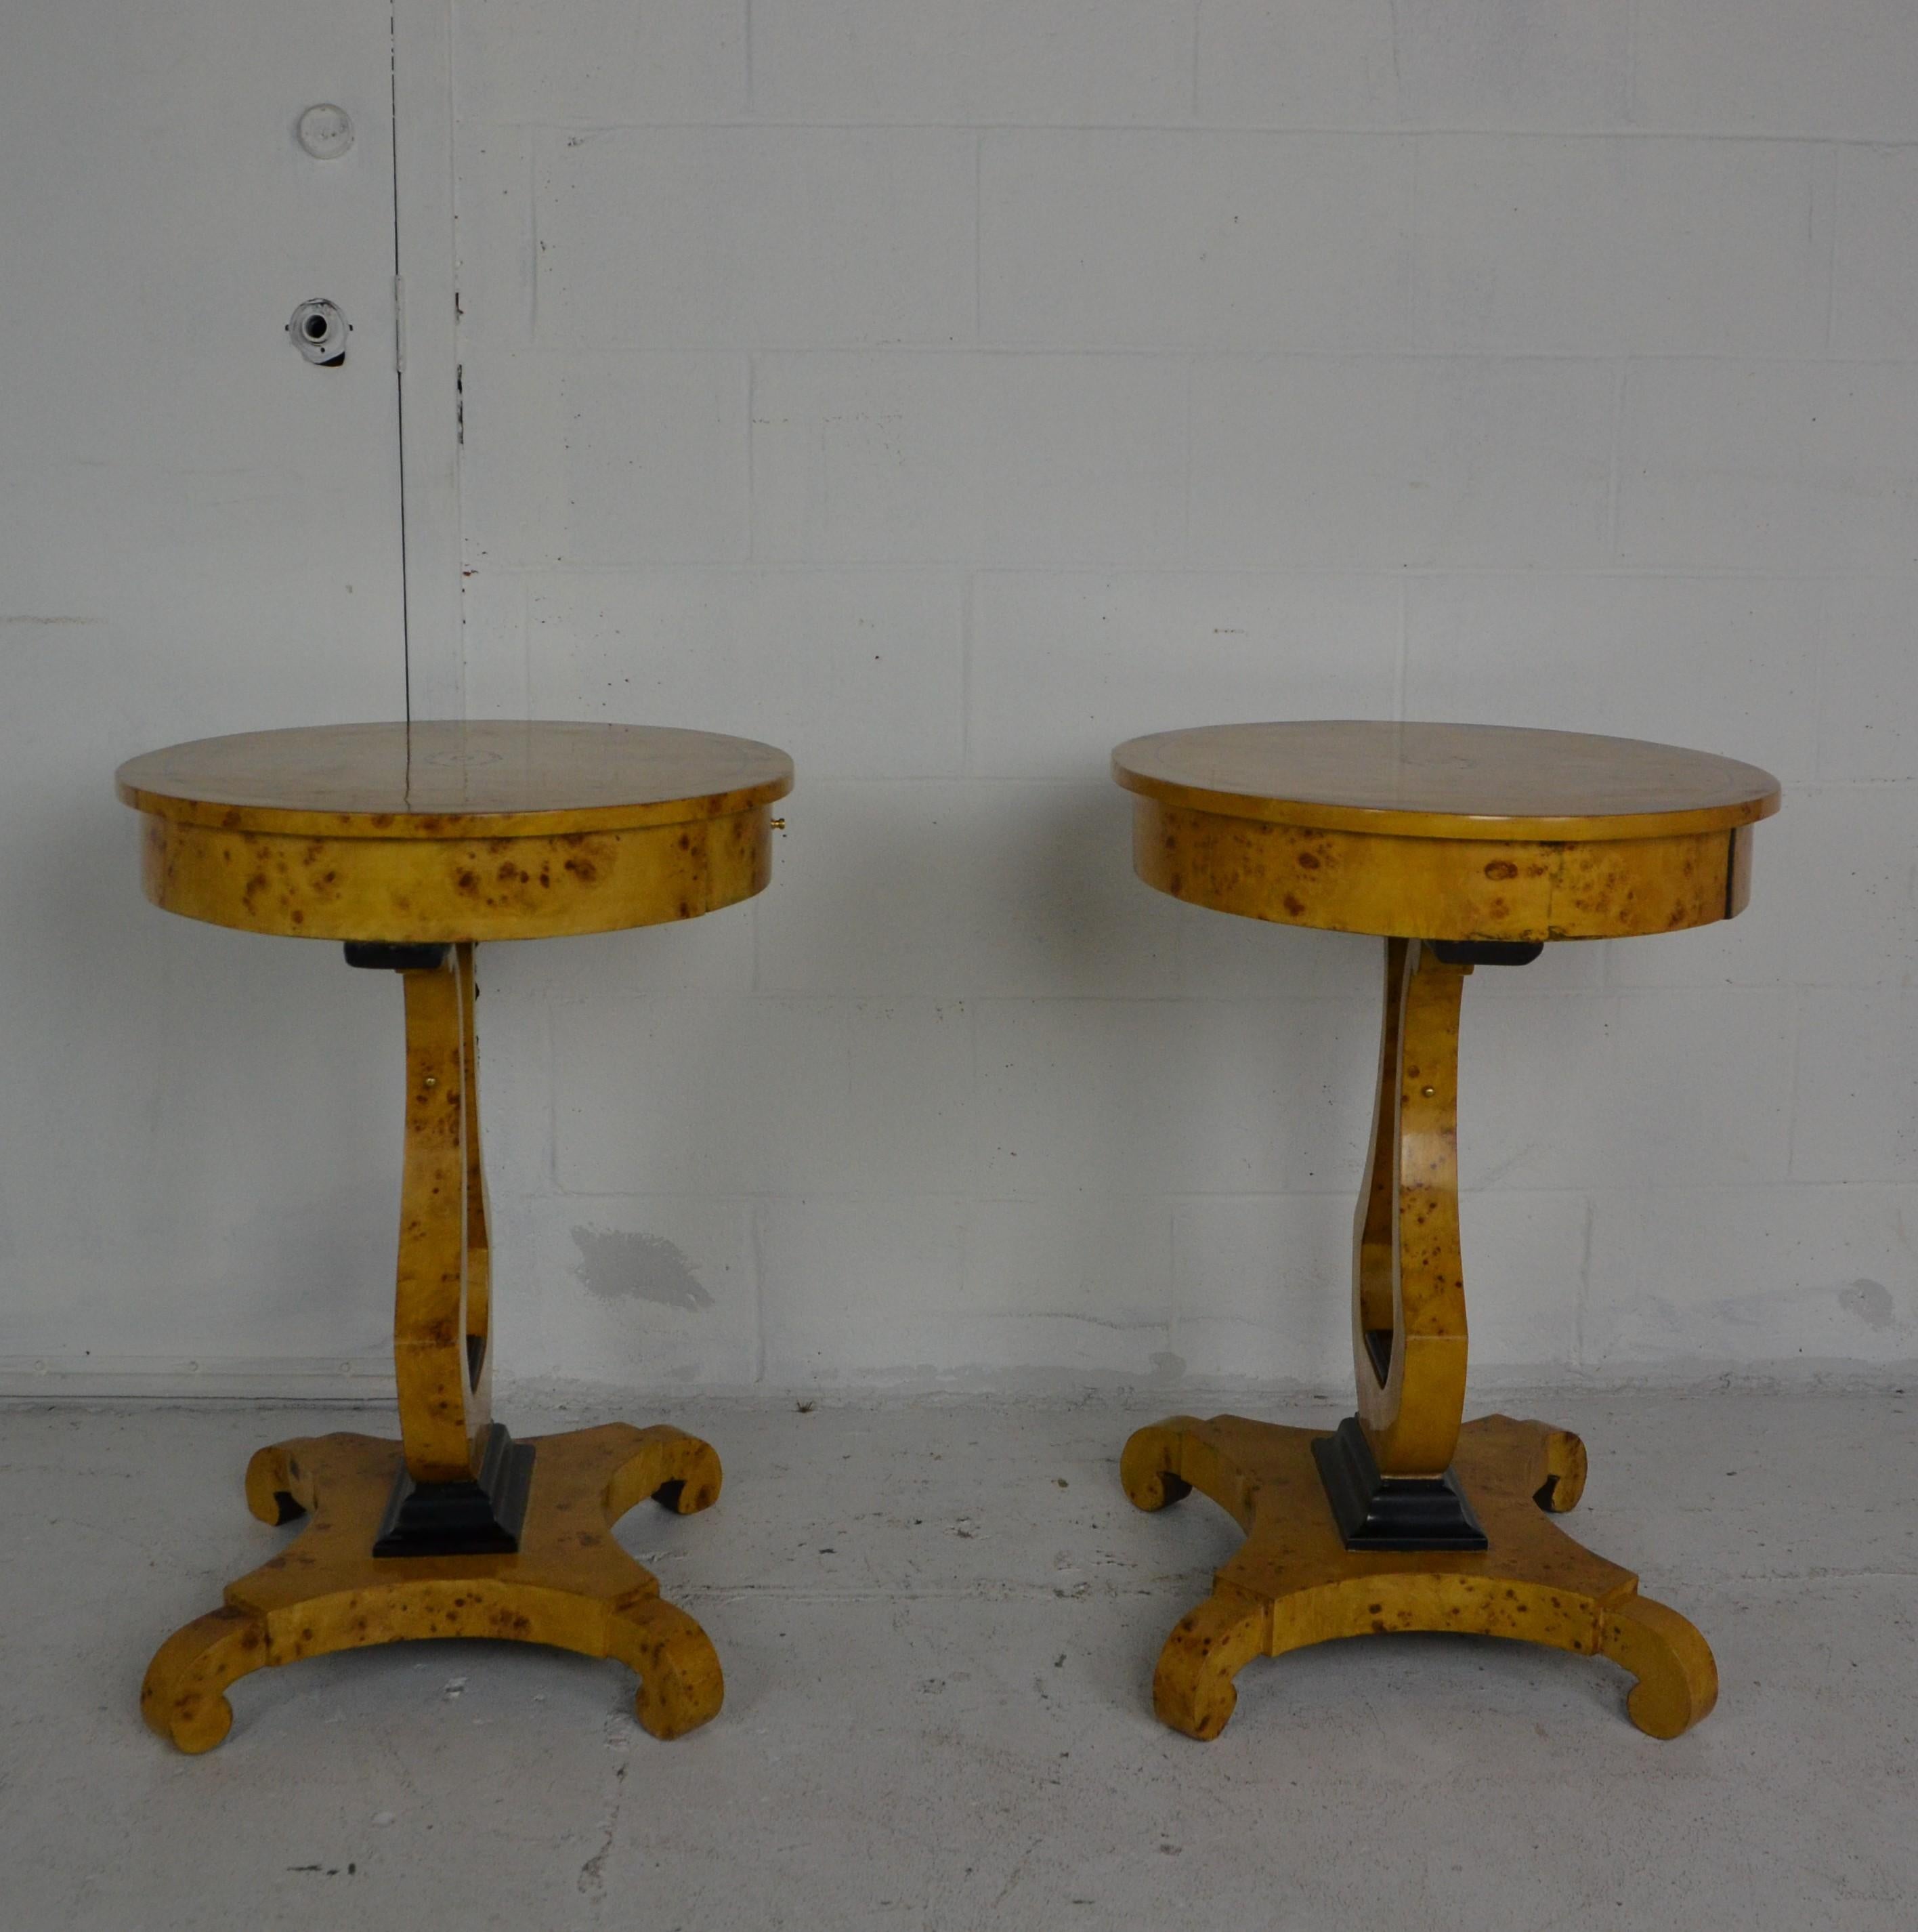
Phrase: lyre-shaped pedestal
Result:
[455,1530]
[1403,1519]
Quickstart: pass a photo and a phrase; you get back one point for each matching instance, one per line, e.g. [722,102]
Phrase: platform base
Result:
[481,1517]
[1294,1582]
[569,1584]
[1376,1512]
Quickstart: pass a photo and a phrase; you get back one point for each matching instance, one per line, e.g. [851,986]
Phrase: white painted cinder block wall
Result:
[947,390]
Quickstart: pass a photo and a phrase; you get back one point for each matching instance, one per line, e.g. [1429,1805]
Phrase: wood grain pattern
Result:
[1421,834]
[530,886]
[449,779]
[1408,1279]
[445,834]
[455,833]
[1293,1583]
[478,1308]
[570,1585]
[1429,888]
[446,1404]
[1469,781]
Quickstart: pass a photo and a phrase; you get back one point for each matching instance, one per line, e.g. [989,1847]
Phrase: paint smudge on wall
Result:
[617,1266]
[1871,1301]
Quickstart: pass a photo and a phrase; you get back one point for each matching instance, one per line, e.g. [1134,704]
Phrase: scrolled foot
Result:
[681,1684]
[1678,1682]
[678,1471]
[1149,1469]
[184,1696]
[1565,1473]
[694,1484]
[278,1485]
[1192,1688]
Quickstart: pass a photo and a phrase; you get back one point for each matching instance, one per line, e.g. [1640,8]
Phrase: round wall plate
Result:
[325,131]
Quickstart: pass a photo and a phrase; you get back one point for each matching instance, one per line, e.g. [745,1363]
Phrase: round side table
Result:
[1462,846]
[409,843]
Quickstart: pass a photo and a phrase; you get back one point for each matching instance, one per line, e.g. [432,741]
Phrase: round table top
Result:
[452,780]
[1413,781]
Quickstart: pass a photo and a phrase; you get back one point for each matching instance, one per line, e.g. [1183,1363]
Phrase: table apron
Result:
[425,890]
[1456,889]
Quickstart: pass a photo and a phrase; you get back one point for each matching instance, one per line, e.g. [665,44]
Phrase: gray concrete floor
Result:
[938,1620]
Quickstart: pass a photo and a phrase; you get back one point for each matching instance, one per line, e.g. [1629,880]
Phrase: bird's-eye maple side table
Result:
[410,843]
[1461,846]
